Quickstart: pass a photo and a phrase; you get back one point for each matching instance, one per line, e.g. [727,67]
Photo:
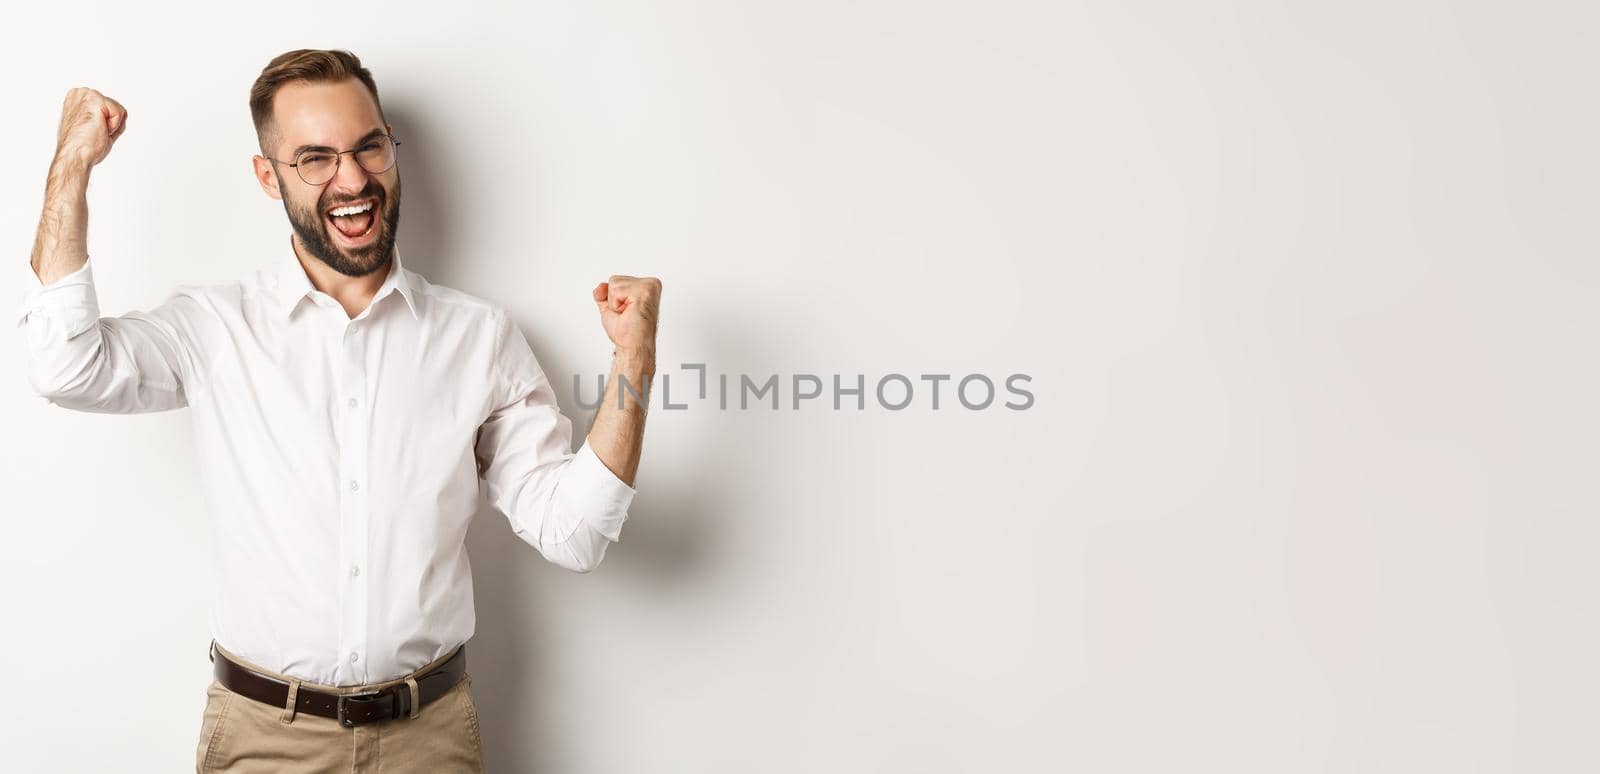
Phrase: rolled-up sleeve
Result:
[139,362]
[569,506]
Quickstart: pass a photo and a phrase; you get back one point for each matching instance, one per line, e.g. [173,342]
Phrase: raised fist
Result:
[628,309]
[90,123]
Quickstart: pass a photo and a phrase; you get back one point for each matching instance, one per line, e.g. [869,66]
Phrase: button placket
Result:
[354,500]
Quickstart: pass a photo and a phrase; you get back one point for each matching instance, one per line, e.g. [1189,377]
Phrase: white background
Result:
[1306,292]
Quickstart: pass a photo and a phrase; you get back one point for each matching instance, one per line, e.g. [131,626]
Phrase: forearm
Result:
[61,245]
[617,436]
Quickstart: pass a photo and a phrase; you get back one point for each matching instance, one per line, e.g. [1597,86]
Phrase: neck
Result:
[353,293]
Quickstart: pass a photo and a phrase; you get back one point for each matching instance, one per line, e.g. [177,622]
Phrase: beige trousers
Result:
[240,735]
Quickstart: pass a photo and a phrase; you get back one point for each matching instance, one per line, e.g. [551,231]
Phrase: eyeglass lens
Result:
[375,156]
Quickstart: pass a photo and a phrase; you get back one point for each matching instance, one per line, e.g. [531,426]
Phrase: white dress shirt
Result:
[340,457]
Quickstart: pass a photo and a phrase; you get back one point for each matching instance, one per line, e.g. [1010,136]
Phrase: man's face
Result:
[339,116]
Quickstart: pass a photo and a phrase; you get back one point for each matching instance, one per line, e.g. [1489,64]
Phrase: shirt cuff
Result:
[590,488]
[69,299]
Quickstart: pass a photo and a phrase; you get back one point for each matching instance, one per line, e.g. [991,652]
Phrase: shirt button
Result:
[354,485]
[351,403]
[354,570]
[354,656]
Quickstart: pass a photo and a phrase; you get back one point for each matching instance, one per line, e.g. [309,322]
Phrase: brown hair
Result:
[304,64]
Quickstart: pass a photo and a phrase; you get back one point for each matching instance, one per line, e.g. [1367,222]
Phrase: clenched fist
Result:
[628,310]
[90,123]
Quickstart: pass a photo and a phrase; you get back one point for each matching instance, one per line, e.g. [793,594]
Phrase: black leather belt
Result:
[350,709]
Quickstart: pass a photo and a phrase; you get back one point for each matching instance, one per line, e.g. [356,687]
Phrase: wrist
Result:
[641,356]
[70,168]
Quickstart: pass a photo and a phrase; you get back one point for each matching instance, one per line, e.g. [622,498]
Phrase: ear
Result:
[266,176]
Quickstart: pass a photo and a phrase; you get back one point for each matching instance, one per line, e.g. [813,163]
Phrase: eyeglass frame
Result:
[337,160]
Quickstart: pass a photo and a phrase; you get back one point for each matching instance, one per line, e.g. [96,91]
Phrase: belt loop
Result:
[289,704]
[416,697]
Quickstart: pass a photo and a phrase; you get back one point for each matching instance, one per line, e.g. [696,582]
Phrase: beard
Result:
[312,228]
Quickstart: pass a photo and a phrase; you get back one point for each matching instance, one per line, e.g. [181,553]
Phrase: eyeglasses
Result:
[316,167]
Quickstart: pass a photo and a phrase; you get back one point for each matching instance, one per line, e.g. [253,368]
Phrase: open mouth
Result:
[355,221]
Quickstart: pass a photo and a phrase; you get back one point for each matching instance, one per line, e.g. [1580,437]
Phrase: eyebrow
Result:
[369,135]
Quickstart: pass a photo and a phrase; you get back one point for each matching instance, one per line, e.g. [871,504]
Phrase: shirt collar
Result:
[293,284]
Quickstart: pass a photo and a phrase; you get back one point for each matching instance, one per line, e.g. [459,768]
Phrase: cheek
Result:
[309,209]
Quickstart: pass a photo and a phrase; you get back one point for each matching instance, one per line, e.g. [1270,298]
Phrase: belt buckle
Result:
[365,696]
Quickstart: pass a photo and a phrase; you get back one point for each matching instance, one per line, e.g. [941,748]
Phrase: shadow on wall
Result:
[663,542]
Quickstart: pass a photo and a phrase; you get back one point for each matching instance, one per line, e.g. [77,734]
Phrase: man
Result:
[344,409]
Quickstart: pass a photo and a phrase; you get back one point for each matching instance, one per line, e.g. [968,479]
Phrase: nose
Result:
[350,178]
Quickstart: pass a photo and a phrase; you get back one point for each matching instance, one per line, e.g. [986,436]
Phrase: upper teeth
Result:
[351,210]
